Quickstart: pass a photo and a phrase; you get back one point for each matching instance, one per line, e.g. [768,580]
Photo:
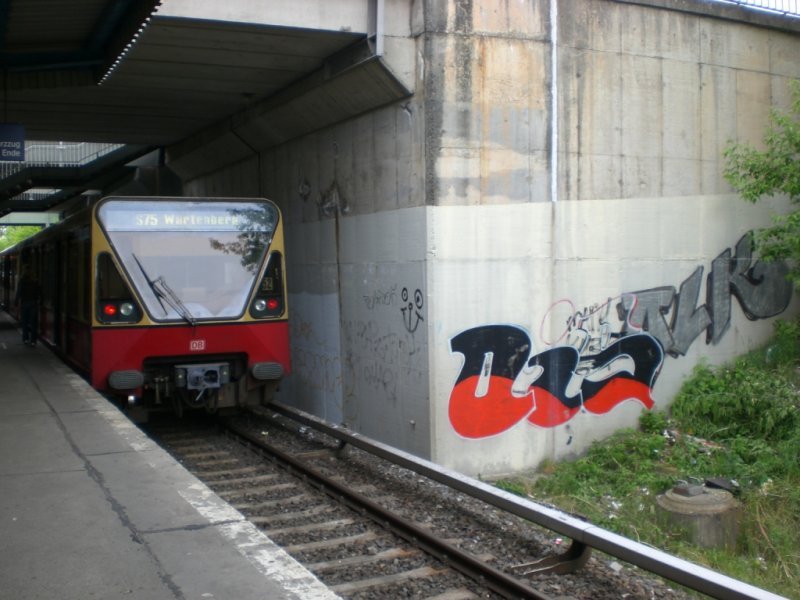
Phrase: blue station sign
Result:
[12,142]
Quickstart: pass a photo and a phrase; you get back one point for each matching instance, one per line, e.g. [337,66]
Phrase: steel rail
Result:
[494,579]
[678,570]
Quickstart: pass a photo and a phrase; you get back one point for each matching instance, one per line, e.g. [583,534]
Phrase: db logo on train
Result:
[197,345]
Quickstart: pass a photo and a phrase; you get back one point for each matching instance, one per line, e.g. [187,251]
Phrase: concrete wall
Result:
[560,309]
[648,98]
[556,332]
[517,261]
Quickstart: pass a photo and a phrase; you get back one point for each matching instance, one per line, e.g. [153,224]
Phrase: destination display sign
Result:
[12,142]
[120,215]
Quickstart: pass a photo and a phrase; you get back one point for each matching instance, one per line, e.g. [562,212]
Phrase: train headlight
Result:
[269,307]
[118,311]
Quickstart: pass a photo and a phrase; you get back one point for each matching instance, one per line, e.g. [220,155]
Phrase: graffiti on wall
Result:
[603,357]
[381,354]
[412,310]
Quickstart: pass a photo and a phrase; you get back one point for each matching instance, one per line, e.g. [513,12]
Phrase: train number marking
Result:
[197,345]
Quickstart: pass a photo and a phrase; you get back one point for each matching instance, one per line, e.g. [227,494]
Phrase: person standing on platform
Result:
[28,295]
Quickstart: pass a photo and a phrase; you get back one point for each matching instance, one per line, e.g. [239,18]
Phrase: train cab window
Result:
[115,303]
[268,301]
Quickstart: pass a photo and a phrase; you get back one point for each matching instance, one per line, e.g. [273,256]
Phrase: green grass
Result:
[739,421]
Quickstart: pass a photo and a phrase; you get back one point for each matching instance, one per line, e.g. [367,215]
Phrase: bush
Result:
[755,397]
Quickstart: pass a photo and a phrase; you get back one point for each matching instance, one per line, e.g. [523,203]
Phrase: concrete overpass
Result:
[475,192]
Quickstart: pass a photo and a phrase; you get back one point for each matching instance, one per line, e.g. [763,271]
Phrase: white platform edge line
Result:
[267,557]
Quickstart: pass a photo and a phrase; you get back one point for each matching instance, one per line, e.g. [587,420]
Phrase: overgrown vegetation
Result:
[739,422]
[773,171]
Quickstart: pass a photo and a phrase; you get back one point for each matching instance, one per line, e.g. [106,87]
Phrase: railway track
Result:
[339,531]
[371,530]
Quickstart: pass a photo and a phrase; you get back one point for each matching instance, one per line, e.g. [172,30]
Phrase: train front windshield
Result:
[190,260]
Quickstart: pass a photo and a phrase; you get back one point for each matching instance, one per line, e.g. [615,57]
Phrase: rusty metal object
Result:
[569,561]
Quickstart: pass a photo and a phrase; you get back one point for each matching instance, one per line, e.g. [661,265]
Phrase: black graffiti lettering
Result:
[688,322]
[510,347]
[762,289]
[718,296]
[650,309]
[647,310]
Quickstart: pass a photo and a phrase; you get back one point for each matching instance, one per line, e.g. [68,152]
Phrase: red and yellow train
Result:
[169,303]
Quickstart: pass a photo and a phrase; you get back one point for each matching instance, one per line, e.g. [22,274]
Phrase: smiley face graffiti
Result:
[411,310]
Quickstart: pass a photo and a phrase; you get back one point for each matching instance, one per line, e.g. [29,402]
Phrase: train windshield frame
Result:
[190,260]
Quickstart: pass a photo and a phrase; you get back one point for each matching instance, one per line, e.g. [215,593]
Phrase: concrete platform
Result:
[91,508]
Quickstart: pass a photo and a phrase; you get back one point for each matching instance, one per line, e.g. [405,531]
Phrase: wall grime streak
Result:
[503,380]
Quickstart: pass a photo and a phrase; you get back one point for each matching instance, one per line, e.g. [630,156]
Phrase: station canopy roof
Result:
[145,74]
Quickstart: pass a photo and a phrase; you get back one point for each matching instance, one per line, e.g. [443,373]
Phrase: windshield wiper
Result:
[163,292]
[151,283]
[173,300]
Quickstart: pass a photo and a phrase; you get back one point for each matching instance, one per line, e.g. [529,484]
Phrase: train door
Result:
[49,282]
[63,274]
[75,297]
[4,282]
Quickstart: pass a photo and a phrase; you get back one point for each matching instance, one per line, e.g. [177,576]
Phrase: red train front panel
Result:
[129,349]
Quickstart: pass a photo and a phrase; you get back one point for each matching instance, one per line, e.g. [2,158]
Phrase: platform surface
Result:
[91,508]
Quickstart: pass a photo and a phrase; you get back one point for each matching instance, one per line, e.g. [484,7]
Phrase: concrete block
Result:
[392,236]
[753,91]
[599,176]
[456,234]
[642,177]
[733,45]
[707,518]
[681,176]
[384,157]
[400,57]
[410,156]
[594,24]
[642,105]
[512,72]
[712,180]
[666,34]
[717,111]
[568,177]
[601,100]
[784,57]
[347,15]
[781,93]
[457,173]
[524,19]
[396,20]
[681,97]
